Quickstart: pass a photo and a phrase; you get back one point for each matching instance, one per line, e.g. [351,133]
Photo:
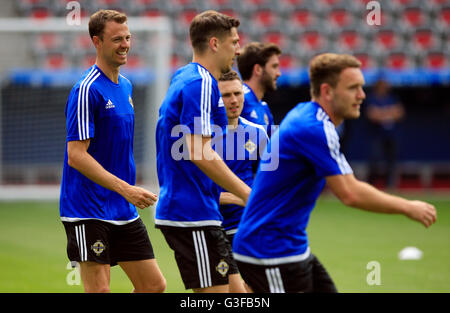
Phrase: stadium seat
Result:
[56,61]
[350,40]
[413,17]
[330,3]
[302,18]
[288,61]
[398,60]
[152,12]
[443,18]
[340,18]
[435,60]
[387,39]
[311,41]
[87,60]
[265,19]
[39,13]
[278,38]
[424,39]
[49,42]
[182,21]
[367,60]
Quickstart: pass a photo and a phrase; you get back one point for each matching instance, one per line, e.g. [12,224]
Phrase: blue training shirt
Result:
[241,148]
[256,111]
[188,198]
[102,111]
[273,226]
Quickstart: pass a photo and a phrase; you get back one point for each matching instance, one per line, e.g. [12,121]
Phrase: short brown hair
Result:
[326,68]
[255,53]
[210,24]
[99,19]
[229,76]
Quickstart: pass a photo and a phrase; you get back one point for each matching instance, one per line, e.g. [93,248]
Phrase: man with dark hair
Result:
[98,197]
[187,212]
[241,147]
[259,66]
[271,245]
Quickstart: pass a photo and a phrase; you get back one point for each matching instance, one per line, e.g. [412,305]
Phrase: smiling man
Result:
[271,244]
[98,193]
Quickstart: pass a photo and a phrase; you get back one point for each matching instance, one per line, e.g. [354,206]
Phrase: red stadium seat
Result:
[302,18]
[40,13]
[350,40]
[264,18]
[331,3]
[49,42]
[414,17]
[312,41]
[340,18]
[367,61]
[287,61]
[277,38]
[152,13]
[56,61]
[88,60]
[398,61]
[424,39]
[83,42]
[386,40]
[444,17]
[185,17]
[436,60]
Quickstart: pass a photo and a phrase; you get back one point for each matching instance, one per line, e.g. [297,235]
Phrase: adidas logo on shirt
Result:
[254,114]
[109,105]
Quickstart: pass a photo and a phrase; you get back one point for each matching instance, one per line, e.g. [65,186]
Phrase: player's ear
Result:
[257,70]
[214,44]
[96,41]
[326,91]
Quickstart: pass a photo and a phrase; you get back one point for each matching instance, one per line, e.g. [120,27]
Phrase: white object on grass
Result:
[410,253]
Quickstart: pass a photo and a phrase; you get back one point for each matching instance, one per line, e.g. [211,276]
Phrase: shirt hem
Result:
[272,261]
[77,219]
[159,222]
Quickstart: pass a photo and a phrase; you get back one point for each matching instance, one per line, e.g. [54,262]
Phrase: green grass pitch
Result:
[33,249]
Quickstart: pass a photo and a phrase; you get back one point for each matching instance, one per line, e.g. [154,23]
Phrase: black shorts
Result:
[106,243]
[304,276]
[203,255]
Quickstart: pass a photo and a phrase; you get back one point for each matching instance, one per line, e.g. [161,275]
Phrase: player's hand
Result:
[140,197]
[422,212]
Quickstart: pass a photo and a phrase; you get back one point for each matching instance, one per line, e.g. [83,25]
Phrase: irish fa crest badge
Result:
[250,146]
[98,247]
[266,119]
[222,268]
[131,101]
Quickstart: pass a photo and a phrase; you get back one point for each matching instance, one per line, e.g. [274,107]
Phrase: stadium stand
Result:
[413,39]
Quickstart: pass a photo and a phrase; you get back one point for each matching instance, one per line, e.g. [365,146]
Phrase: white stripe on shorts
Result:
[81,241]
[274,278]
[201,252]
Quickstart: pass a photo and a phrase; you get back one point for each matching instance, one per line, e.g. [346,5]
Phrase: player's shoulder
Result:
[246,123]
[125,81]
[194,75]
[308,119]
